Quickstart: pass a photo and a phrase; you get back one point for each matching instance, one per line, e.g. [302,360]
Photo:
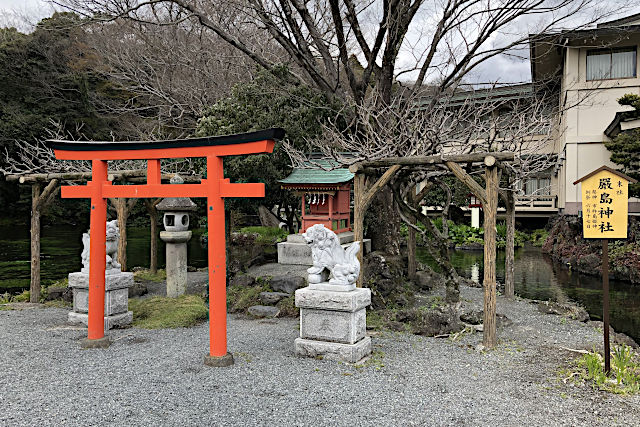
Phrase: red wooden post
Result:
[98,250]
[218,355]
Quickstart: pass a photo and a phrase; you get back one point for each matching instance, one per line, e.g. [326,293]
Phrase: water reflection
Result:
[538,277]
[61,247]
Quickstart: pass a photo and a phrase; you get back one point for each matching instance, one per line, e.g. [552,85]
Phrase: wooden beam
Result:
[477,190]
[86,176]
[430,160]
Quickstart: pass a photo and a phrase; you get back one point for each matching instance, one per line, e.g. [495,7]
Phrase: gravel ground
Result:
[158,377]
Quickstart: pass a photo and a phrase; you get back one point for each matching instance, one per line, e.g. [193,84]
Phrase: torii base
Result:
[219,361]
[103,342]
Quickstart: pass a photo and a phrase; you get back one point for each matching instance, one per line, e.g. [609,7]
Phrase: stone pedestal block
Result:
[116,299]
[114,321]
[333,323]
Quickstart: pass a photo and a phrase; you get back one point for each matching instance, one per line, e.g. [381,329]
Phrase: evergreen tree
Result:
[625,147]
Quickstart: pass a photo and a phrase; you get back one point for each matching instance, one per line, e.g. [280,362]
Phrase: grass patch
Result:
[267,235]
[625,371]
[57,303]
[159,276]
[7,298]
[374,320]
[288,307]
[376,360]
[161,312]
[240,298]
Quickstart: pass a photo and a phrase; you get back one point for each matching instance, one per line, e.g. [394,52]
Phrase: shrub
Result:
[267,235]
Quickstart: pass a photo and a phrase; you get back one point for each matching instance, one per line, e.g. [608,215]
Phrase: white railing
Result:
[537,201]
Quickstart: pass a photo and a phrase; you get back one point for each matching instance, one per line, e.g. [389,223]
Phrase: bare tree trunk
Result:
[489,337]
[509,284]
[150,205]
[358,217]
[412,264]
[123,209]
[34,287]
[384,223]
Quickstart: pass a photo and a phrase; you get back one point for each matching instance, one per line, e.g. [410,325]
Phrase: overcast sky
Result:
[24,13]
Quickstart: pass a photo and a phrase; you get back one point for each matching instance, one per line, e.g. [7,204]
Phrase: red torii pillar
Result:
[215,188]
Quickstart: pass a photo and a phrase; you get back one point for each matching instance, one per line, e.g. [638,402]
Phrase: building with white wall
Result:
[589,70]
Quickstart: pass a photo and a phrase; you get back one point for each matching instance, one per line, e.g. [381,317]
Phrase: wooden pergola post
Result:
[490,210]
[40,199]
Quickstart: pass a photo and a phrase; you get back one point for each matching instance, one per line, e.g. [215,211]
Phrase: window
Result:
[611,63]
[536,186]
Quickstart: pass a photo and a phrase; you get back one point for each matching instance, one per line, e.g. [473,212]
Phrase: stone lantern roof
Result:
[177,204]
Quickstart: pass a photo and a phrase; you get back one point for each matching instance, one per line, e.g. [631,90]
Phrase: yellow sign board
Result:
[605,204]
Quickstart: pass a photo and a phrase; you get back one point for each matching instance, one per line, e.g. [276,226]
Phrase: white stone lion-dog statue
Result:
[327,253]
[112,238]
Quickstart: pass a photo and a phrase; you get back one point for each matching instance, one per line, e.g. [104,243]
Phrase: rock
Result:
[476,317]
[137,289]
[572,311]
[425,280]
[243,280]
[616,337]
[270,298]
[473,317]
[55,293]
[262,311]
[439,321]
[191,269]
[287,284]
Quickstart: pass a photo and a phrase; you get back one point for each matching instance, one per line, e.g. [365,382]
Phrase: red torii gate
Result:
[215,188]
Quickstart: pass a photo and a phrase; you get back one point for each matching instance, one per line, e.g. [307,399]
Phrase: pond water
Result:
[60,251]
[536,275]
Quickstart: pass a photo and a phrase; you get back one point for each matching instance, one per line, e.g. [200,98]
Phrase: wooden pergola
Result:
[45,187]
[372,176]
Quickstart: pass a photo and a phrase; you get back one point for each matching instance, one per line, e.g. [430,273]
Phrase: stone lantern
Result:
[176,235]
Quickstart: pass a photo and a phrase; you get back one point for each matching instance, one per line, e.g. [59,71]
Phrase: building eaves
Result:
[319,172]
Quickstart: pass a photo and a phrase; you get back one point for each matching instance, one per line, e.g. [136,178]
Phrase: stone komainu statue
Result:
[327,253]
[113,237]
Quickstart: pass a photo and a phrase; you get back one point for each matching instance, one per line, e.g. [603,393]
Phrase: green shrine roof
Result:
[315,174]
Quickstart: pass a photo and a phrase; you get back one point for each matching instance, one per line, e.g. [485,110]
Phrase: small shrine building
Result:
[325,194]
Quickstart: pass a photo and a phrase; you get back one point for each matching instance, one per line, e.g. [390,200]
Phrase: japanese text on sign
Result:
[605,206]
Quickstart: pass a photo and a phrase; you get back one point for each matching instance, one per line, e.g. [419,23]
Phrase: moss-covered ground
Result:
[162,312]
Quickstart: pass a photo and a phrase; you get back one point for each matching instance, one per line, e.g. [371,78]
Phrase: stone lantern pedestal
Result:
[176,235]
[176,245]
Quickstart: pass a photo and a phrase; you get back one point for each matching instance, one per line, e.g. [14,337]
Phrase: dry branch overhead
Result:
[138,175]
[431,160]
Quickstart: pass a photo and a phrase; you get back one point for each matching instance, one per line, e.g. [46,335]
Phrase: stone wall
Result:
[565,244]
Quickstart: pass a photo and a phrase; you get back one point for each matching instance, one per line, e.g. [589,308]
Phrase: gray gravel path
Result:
[158,378]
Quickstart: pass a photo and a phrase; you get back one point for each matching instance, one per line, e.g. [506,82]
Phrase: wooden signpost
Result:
[605,208]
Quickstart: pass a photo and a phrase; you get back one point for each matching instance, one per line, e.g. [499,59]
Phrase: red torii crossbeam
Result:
[215,188]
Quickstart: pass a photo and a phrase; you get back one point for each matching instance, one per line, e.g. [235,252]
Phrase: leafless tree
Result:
[358,51]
